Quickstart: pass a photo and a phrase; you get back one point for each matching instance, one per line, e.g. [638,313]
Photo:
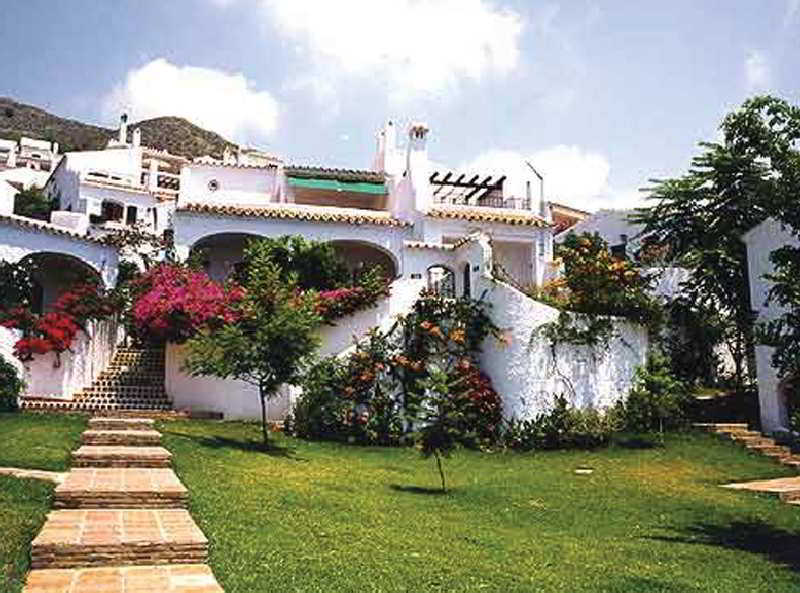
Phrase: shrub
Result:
[657,401]
[563,427]
[11,386]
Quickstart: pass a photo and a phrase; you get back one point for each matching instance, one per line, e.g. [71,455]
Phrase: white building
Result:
[761,241]
[614,227]
[122,185]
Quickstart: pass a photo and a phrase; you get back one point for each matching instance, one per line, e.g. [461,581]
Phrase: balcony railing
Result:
[511,203]
[164,182]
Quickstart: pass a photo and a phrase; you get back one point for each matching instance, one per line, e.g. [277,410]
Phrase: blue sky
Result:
[600,94]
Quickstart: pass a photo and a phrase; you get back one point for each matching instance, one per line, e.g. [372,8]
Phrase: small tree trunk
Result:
[263,397]
[441,471]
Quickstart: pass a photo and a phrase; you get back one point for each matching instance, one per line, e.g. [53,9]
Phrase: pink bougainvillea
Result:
[333,304]
[175,302]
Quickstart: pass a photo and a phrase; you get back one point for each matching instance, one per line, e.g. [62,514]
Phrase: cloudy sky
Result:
[601,95]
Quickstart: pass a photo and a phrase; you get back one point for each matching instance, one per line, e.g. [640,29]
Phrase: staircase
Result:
[134,382]
[753,441]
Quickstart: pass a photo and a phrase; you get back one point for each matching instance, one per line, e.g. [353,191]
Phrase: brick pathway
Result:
[120,524]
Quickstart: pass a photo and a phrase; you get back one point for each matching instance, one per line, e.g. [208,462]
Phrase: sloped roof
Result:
[337,174]
[46,227]
[497,215]
[298,212]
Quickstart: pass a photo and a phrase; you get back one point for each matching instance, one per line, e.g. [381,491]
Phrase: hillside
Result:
[173,134]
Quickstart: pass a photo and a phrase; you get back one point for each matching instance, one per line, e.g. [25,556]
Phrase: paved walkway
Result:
[36,474]
[788,489]
[120,524]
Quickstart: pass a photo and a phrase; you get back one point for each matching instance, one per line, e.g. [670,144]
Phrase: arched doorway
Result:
[54,274]
[442,281]
[220,254]
[361,255]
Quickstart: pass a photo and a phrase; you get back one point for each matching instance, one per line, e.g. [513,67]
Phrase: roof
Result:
[46,227]
[498,215]
[569,209]
[443,246]
[297,212]
[360,187]
[337,174]
[207,161]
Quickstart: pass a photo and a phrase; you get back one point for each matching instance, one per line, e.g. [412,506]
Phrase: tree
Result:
[272,336]
[33,203]
[735,184]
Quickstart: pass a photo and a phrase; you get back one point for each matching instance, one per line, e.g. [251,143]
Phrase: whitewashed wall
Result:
[17,242]
[761,242]
[61,377]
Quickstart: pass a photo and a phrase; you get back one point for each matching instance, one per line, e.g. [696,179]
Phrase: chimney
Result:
[137,137]
[12,157]
[54,148]
[123,128]
[387,147]
[418,167]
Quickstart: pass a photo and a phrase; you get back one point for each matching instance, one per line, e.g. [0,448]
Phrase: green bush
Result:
[658,401]
[563,427]
[11,386]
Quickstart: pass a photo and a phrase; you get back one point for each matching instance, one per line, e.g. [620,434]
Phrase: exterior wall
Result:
[527,375]
[610,225]
[18,242]
[7,194]
[516,259]
[237,185]
[761,242]
[61,377]
[191,228]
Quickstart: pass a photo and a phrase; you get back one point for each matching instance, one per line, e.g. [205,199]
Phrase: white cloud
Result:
[572,176]
[415,46]
[227,103]
[757,71]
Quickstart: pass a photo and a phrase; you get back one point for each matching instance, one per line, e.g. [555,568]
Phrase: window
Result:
[441,282]
[467,282]
[213,185]
[111,211]
[130,216]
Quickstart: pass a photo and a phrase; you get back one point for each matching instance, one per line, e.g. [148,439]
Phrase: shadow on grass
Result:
[418,490]
[778,545]
[639,442]
[256,446]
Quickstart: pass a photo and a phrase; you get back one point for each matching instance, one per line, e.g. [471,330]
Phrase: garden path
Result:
[120,522]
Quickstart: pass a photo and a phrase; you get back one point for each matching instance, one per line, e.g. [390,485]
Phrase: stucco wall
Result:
[236,185]
[527,375]
[63,376]
[16,242]
[761,242]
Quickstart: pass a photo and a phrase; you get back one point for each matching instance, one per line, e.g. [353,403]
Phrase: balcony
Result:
[474,191]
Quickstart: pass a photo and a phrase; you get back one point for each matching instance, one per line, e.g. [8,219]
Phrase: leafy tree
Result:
[273,335]
[16,284]
[33,203]
[736,183]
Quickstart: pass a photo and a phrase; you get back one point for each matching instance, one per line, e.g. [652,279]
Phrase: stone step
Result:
[771,450]
[721,425]
[749,441]
[791,461]
[111,397]
[173,578]
[117,488]
[124,388]
[95,537]
[135,381]
[121,423]
[119,456]
[126,438]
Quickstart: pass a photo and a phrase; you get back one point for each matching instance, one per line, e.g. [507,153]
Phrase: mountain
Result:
[173,134]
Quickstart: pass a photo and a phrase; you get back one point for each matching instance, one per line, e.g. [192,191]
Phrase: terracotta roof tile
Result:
[313,213]
[498,215]
[46,227]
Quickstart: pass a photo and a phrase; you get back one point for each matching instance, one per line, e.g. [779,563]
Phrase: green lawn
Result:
[23,507]
[39,441]
[324,517]
[36,441]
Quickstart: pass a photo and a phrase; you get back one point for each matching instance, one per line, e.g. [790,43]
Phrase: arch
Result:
[360,254]
[442,281]
[55,273]
[221,252]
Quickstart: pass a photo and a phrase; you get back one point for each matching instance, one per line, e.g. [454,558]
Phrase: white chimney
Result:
[12,157]
[54,148]
[385,155]
[123,129]
[137,137]
[418,168]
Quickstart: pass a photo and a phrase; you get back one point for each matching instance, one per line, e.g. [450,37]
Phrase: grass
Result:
[325,517]
[34,441]
[23,507]
[39,441]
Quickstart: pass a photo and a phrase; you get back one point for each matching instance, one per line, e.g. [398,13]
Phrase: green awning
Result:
[361,187]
